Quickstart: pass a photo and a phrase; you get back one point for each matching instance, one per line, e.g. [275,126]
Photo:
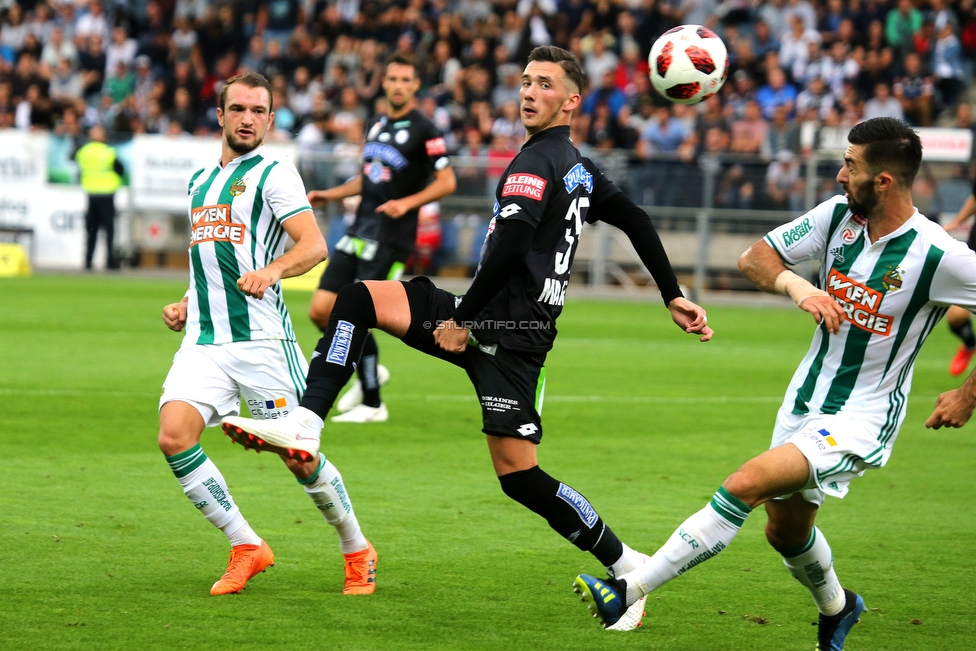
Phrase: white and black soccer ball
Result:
[689,63]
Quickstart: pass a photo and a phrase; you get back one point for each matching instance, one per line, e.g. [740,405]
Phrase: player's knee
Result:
[783,535]
[319,315]
[354,303]
[744,485]
[173,440]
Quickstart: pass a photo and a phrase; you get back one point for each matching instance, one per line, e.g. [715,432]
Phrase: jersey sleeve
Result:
[435,148]
[805,237]
[603,189]
[526,188]
[954,282]
[284,191]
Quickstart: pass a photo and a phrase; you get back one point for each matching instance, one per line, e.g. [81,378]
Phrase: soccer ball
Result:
[689,63]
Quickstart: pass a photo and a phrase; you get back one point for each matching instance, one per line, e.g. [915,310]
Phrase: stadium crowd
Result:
[802,73]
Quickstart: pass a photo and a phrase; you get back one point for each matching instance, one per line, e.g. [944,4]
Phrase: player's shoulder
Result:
[932,234]
[196,177]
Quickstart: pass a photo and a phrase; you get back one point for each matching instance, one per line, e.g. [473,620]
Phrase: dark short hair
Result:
[889,145]
[404,59]
[251,80]
[566,60]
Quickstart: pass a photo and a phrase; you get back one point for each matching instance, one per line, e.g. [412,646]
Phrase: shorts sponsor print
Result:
[268,375]
[838,447]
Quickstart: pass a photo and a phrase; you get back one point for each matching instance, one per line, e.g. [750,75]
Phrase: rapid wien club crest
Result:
[238,188]
[891,280]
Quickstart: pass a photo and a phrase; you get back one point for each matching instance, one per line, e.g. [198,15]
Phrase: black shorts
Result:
[354,260]
[510,384]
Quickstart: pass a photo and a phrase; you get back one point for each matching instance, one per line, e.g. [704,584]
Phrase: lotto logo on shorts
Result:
[579,503]
[213,224]
[341,341]
[277,403]
[524,185]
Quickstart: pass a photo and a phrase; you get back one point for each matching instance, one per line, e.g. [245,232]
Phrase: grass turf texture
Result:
[100,549]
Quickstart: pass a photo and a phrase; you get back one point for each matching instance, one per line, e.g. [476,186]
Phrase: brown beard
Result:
[238,146]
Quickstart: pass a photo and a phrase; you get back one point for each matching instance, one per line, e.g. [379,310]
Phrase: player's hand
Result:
[318,198]
[451,337]
[824,310]
[952,409]
[690,318]
[394,208]
[253,283]
[174,315]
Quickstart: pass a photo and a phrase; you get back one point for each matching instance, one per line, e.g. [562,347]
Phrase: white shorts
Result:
[269,374]
[839,447]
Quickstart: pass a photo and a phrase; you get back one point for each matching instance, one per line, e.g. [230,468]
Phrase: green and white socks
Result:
[326,489]
[205,487]
[813,566]
[700,537]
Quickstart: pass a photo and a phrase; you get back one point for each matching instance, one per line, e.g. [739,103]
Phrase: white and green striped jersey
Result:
[893,291]
[236,214]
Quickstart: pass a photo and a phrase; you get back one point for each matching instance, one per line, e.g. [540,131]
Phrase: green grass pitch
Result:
[99,549]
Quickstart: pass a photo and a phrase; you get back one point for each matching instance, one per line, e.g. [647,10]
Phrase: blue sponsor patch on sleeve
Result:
[579,503]
[578,176]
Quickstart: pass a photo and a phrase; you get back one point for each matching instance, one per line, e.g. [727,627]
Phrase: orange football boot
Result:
[960,362]
[246,561]
[361,571]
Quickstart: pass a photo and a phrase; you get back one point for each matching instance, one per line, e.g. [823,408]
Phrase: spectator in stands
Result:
[313,135]
[839,67]
[947,68]
[815,96]
[253,59]
[875,70]
[122,48]
[93,23]
[804,10]
[14,30]
[784,187]
[883,104]
[901,26]
[662,141]
[830,22]
[57,48]
[773,13]
[749,132]
[66,82]
[606,93]
[776,92]
[915,90]
[782,134]
[795,43]
[763,39]
[600,60]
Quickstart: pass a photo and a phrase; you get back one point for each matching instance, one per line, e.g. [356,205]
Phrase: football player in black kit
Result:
[403,148]
[500,331]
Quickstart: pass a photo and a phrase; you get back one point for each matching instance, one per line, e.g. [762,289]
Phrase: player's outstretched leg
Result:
[362,403]
[700,537]
[327,490]
[297,435]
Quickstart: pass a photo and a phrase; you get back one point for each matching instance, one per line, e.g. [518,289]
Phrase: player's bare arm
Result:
[964,213]
[442,185]
[765,269]
[309,250]
[954,408]
[350,188]
[174,315]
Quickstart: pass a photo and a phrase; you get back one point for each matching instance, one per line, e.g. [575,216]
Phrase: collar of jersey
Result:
[243,157]
[561,130]
[909,224]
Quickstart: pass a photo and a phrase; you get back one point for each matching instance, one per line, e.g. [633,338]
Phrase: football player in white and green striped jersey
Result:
[888,275]
[239,340]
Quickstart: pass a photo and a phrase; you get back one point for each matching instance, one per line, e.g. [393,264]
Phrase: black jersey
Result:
[552,187]
[398,159]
